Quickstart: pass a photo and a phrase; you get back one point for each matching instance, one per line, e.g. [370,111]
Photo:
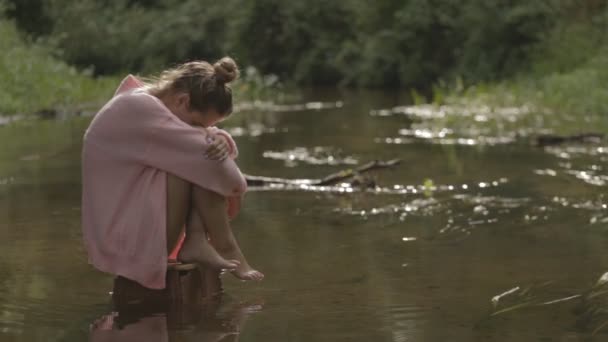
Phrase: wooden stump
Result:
[186,285]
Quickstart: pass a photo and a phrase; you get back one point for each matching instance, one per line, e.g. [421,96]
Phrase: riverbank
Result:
[575,100]
[34,81]
[564,83]
[563,70]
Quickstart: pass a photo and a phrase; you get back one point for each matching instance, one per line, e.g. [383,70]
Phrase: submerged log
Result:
[334,178]
[186,284]
[553,140]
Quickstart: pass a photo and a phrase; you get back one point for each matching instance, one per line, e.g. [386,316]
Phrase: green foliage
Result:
[137,36]
[32,80]
[429,187]
[567,75]
[507,52]
[409,43]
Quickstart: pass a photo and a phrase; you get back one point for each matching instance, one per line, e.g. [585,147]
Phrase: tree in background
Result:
[396,43]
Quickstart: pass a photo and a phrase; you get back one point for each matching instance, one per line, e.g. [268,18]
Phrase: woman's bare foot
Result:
[196,249]
[245,272]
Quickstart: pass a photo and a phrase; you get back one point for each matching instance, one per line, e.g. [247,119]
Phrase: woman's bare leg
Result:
[179,203]
[212,209]
[180,213]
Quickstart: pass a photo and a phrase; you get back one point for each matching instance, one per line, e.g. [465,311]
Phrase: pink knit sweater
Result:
[129,147]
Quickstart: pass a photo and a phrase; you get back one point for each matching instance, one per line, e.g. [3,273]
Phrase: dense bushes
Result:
[380,43]
[567,76]
[550,52]
[32,79]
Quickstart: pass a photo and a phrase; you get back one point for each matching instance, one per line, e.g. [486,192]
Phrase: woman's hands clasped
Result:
[219,149]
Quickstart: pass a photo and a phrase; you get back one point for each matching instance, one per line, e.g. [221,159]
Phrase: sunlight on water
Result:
[314,156]
[398,189]
[566,152]
[277,107]
[479,113]
[254,130]
[589,177]
[451,141]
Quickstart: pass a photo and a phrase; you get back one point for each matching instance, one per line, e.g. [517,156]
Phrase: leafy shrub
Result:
[381,43]
[32,80]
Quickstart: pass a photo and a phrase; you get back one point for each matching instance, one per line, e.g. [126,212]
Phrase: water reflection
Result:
[217,320]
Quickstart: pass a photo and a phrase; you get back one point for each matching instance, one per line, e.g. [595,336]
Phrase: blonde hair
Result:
[206,84]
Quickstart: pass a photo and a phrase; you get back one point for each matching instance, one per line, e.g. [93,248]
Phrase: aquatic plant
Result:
[591,307]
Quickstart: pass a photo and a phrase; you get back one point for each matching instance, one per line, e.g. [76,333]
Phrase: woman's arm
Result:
[178,148]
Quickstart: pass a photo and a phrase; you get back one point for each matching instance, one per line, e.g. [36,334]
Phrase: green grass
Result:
[32,79]
[576,100]
[567,78]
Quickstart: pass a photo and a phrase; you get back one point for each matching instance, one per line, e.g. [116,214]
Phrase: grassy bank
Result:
[567,79]
[32,80]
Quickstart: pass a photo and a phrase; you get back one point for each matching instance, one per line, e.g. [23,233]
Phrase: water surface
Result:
[474,210]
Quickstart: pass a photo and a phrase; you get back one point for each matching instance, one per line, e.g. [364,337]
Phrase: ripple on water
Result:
[397,189]
[589,177]
[569,151]
[440,135]
[463,210]
[428,190]
[584,163]
[7,181]
[16,317]
[12,318]
[465,141]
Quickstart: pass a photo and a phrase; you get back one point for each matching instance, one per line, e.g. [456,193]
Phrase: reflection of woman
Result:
[146,171]
[145,329]
[193,325]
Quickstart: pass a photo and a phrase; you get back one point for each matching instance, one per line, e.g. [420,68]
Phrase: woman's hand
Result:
[219,149]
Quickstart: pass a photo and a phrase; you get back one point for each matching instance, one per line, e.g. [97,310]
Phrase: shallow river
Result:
[476,236]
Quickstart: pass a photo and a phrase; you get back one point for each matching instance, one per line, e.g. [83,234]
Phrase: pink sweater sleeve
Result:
[178,148]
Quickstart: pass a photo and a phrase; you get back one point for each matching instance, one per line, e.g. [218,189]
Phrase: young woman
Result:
[152,163]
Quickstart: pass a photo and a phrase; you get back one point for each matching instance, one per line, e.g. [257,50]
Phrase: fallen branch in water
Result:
[334,178]
[553,140]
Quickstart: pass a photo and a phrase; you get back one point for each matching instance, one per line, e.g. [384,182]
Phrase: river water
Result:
[478,235]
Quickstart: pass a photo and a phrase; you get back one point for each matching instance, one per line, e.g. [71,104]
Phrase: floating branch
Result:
[553,140]
[334,178]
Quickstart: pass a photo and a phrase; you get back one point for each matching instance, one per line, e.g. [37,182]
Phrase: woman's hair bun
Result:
[226,70]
